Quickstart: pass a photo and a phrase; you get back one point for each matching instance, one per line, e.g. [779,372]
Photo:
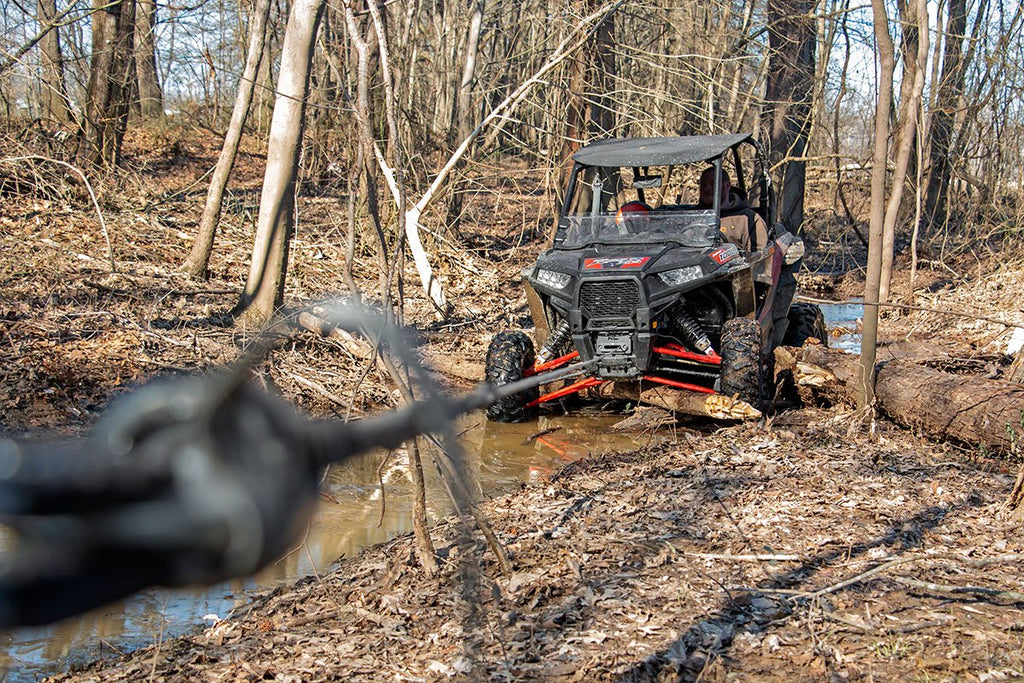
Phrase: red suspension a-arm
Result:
[573,388]
[551,364]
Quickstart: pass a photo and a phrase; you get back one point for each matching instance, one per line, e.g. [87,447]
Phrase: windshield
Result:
[691,228]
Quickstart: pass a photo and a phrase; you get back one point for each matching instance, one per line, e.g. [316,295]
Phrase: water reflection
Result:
[844,323]
[356,512]
[27,654]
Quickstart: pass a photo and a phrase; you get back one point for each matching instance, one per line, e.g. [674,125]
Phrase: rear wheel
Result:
[806,321]
[745,372]
[508,357]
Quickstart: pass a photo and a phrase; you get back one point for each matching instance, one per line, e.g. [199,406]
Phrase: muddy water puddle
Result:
[355,512]
[843,321]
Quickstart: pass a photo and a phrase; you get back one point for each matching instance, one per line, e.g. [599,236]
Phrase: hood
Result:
[622,259]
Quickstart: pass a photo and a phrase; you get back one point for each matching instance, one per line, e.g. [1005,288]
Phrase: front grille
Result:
[615,298]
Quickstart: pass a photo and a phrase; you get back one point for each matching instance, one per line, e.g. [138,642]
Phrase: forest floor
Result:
[812,545]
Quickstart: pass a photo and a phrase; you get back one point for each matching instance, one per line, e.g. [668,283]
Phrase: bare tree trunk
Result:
[199,257]
[55,97]
[110,82]
[886,61]
[264,91]
[462,116]
[364,167]
[365,160]
[264,290]
[788,100]
[591,112]
[913,71]
[602,78]
[910,45]
[840,195]
[573,127]
[950,89]
[151,97]
[424,546]
[393,152]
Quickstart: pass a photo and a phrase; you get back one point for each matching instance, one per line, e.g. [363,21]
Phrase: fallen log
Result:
[453,365]
[360,348]
[689,402]
[971,410]
[968,409]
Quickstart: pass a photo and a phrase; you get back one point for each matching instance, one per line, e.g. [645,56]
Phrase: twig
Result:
[104,288]
[315,386]
[998,559]
[978,591]
[327,496]
[459,255]
[873,571]
[197,292]
[167,340]
[88,186]
[52,24]
[889,630]
[314,618]
[863,628]
[181,192]
[537,435]
[383,489]
[885,566]
[745,558]
[919,626]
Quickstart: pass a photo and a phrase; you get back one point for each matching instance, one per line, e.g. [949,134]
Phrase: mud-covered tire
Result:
[508,356]
[806,321]
[745,373]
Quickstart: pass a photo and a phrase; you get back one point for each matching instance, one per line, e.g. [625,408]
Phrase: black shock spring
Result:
[557,338]
[691,331]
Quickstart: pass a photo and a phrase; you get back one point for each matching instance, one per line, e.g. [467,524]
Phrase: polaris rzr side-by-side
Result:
[663,270]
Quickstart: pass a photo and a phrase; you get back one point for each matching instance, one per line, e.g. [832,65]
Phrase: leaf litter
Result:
[796,548]
[743,554]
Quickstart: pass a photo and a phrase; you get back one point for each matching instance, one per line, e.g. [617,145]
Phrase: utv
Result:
[640,283]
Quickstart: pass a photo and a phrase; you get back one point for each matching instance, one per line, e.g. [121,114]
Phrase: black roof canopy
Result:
[667,151]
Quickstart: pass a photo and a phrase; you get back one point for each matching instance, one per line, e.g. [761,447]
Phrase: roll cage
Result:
[602,160]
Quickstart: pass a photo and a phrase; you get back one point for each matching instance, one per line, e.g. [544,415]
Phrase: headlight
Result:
[674,278]
[553,278]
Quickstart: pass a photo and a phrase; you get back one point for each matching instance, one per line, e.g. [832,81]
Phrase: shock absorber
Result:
[557,338]
[692,333]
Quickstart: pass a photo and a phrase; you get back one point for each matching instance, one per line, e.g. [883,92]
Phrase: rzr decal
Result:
[723,254]
[615,263]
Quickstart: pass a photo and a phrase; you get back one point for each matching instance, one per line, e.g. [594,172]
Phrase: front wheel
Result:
[508,357]
[745,372]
